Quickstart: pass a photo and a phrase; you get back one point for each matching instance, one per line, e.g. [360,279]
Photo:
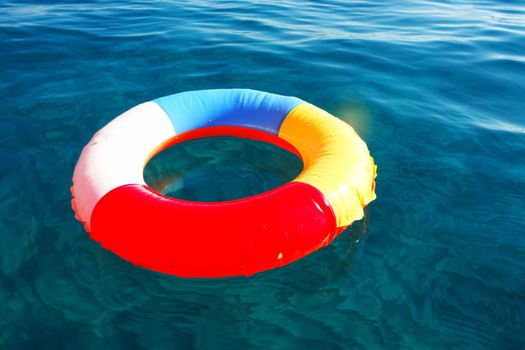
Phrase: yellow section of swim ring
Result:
[336,161]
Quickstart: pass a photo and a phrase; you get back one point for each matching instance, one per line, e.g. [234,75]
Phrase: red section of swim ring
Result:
[196,239]
[237,131]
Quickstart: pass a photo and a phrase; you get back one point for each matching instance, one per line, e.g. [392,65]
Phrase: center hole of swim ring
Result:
[222,168]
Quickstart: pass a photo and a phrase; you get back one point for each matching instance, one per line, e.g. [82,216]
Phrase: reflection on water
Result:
[220,168]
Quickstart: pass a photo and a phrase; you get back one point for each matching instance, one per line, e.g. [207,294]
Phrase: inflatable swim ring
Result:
[220,239]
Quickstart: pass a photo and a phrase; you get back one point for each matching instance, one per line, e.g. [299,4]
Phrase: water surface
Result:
[435,89]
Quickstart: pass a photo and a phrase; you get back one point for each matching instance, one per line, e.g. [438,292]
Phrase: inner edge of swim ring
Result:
[223,131]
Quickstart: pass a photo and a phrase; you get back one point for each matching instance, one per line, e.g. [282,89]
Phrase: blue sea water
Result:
[436,89]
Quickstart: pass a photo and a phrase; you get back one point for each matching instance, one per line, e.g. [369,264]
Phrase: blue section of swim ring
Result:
[227,107]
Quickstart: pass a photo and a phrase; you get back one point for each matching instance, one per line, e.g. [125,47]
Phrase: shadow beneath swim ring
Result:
[356,233]
[339,258]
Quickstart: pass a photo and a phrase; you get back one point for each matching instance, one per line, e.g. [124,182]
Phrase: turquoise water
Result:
[435,89]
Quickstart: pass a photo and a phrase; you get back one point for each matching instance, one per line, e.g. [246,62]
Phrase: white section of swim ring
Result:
[116,155]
